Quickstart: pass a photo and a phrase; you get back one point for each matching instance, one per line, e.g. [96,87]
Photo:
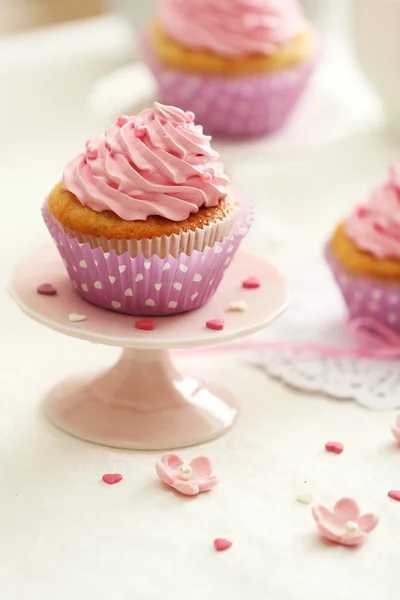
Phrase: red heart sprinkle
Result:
[251,283]
[112,478]
[335,447]
[46,289]
[216,324]
[221,544]
[145,324]
[394,495]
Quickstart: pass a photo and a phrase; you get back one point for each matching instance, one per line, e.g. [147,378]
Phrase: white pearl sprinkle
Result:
[185,472]
[352,527]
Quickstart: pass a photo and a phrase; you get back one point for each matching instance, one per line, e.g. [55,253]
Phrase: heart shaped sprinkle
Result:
[251,283]
[304,498]
[46,289]
[335,447]
[145,324]
[395,495]
[216,324]
[221,545]
[112,478]
[75,318]
[238,306]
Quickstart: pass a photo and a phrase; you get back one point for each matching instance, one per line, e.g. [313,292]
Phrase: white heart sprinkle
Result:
[304,498]
[197,277]
[75,318]
[74,267]
[158,286]
[177,285]
[106,254]
[166,267]
[111,278]
[149,302]
[172,304]
[75,285]
[122,268]
[228,260]
[96,263]
[138,277]
[116,304]
[84,287]
[61,244]
[243,230]
[230,249]
[183,268]
[83,264]
[147,265]
[128,292]
[238,306]
[218,249]
[65,262]
[194,296]
[211,281]
[97,285]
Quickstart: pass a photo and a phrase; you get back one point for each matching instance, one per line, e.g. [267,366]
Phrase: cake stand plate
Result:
[143,402]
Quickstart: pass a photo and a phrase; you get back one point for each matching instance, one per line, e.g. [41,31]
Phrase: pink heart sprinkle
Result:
[145,324]
[112,478]
[251,283]
[394,495]
[46,289]
[221,545]
[216,324]
[335,447]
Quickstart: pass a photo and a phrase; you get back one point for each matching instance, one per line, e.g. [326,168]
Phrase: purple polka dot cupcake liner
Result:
[367,296]
[241,107]
[147,286]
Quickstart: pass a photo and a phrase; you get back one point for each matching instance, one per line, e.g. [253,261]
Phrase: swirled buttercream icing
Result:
[232,28]
[158,163]
[374,226]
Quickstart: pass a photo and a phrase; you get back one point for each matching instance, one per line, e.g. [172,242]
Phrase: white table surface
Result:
[63,533]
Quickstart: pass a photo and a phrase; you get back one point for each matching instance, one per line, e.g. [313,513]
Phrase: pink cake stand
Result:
[143,402]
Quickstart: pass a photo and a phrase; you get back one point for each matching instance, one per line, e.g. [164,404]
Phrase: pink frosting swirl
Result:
[158,163]
[375,225]
[232,28]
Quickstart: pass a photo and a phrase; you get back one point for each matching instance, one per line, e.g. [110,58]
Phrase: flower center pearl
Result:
[185,472]
[352,527]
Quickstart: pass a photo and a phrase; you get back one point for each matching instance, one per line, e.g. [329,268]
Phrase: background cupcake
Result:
[144,219]
[241,65]
[364,254]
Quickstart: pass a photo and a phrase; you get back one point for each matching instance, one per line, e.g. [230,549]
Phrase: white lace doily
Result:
[317,315]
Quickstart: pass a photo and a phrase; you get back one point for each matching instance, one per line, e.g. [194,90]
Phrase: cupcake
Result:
[144,218]
[364,254]
[240,65]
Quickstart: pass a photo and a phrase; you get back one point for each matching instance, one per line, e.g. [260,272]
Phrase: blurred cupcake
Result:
[364,254]
[144,219]
[241,65]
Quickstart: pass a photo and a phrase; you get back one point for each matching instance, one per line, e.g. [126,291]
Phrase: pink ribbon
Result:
[379,342]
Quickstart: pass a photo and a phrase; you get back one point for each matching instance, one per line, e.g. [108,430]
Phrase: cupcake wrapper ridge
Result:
[367,296]
[244,106]
[145,286]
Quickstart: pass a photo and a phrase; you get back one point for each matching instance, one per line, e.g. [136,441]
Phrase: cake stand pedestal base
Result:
[142,403]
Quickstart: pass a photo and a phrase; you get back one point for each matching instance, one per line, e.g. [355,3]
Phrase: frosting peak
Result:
[232,28]
[374,226]
[158,163]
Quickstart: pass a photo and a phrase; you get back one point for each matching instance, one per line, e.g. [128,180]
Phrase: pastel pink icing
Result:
[157,163]
[375,224]
[232,28]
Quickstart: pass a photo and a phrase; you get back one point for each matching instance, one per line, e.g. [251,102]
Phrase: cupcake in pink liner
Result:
[364,255]
[240,65]
[144,218]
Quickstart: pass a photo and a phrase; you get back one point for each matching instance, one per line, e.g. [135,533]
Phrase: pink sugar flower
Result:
[345,525]
[189,479]
[396,430]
